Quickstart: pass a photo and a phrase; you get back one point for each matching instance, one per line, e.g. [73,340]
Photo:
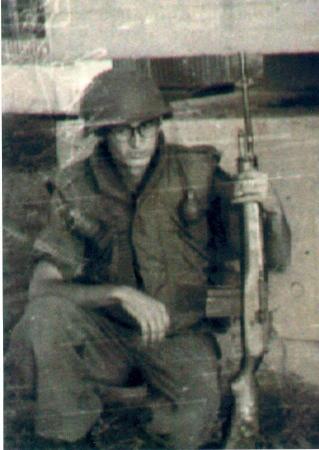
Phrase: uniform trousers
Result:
[66,358]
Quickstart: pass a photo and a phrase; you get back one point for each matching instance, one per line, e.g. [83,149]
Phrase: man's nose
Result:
[135,138]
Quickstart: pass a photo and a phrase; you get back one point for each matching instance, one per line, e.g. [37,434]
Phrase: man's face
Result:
[134,144]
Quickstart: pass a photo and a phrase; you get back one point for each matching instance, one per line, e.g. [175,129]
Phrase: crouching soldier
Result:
[117,297]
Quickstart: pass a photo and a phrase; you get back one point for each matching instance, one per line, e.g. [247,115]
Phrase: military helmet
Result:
[114,98]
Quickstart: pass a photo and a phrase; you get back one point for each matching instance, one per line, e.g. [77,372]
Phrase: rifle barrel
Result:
[249,140]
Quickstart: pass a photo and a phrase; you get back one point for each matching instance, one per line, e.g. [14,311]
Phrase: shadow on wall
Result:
[288,412]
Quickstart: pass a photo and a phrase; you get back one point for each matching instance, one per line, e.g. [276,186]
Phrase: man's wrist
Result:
[118,292]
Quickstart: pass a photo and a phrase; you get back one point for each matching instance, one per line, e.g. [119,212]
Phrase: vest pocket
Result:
[194,236]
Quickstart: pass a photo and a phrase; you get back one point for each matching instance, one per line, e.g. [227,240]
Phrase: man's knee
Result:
[192,420]
[46,318]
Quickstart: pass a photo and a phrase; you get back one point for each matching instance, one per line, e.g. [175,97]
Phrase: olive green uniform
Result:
[102,231]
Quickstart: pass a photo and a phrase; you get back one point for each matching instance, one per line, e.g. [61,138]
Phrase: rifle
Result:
[244,429]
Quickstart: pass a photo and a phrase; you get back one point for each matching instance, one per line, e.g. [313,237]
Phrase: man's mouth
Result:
[139,156]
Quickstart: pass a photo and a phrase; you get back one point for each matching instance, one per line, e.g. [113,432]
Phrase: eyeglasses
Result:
[126,132]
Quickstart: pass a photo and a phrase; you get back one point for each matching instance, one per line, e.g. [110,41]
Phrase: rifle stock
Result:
[244,428]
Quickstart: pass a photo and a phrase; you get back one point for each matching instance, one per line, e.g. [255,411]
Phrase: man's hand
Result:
[149,313]
[253,186]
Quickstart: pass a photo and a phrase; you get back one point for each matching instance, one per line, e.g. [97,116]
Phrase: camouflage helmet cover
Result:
[114,98]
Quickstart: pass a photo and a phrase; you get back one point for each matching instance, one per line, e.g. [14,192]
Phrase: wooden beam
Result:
[157,28]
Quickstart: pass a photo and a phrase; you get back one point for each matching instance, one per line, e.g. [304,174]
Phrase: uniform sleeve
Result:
[58,245]
[224,216]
